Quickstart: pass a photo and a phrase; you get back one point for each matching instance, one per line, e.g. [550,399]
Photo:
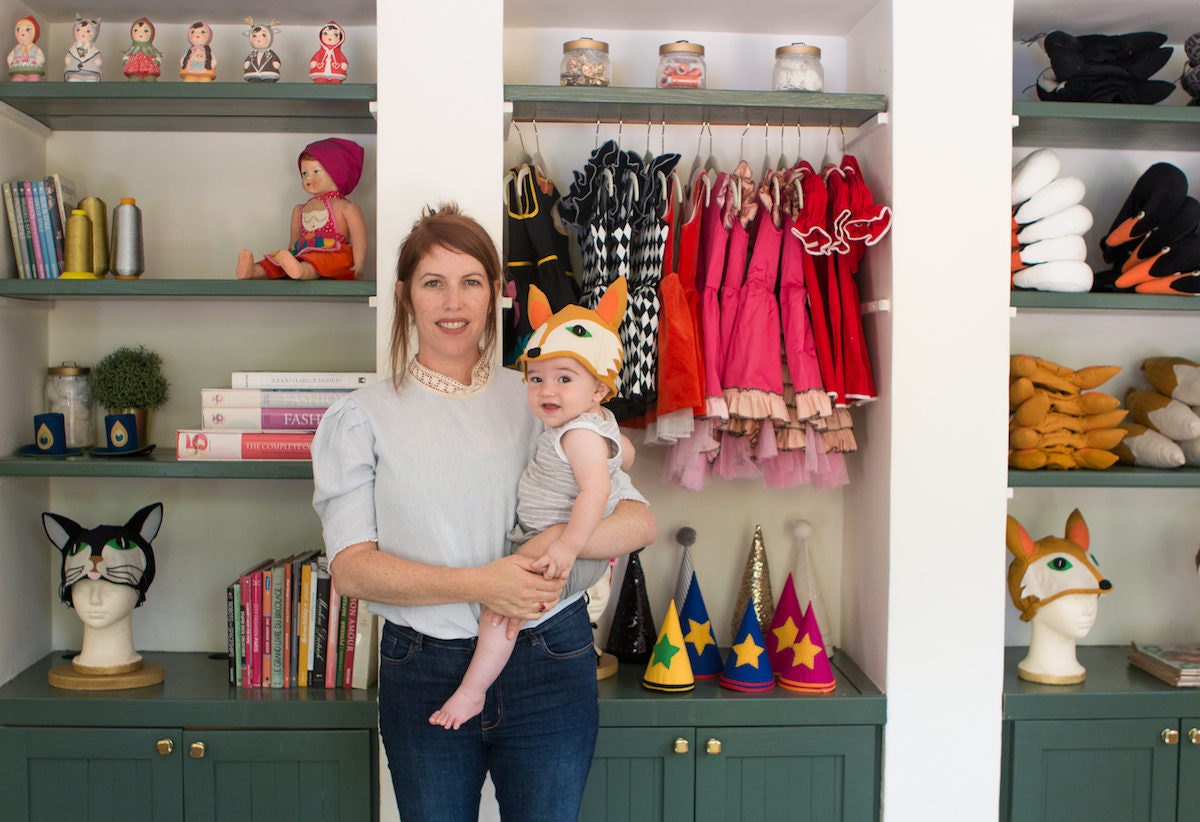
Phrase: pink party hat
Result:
[669,668]
[807,667]
[785,628]
[698,634]
[747,667]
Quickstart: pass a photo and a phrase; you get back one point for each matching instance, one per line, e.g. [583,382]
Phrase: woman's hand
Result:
[513,589]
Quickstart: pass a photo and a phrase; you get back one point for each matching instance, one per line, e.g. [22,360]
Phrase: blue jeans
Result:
[536,734]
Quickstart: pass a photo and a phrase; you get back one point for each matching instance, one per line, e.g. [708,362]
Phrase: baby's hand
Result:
[556,563]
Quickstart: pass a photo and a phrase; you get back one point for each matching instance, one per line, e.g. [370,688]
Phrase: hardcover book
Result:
[202,444]
[301,379]
[269,397]
[264,419]
[366,649]
[1176,664]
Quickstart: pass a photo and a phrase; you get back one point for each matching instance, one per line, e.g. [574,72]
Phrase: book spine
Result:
[247,630]
[35,244]
[339,666]
[67,198]
[331,637]
[239,639]
[200,444]
[277,627]
[294,660]
[266,419]
[230,627]
[321,380]
[366,649]
[254,616]
[10,208]
[269,398]
[285,667]
[57,223]
[320,641]
[314,567]
[45,233]
[268,634]
[302,663]
[351,635]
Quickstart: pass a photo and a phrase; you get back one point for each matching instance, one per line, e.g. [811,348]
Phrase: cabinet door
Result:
[1118,770]
[1189,768]
[261,776]
[640,775]
[817,774]
[97,774]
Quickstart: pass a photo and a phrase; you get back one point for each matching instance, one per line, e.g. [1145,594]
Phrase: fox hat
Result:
[587,336]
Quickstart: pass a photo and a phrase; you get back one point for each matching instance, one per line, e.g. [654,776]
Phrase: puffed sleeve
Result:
[343,458]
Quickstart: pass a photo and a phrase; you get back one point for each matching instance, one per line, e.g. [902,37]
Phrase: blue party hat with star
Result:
[747,667]
[698,637]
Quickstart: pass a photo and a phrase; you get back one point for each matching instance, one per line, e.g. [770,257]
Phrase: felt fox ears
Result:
[610,310]
[589,337]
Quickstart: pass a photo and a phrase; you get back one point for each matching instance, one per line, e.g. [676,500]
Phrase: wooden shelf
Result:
[317,290]
[1119,476]
[1102,301]
[1106,125]
[161,464]
[583,104]
[167,106]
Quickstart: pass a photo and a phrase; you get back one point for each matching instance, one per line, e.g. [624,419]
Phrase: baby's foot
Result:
[460,707]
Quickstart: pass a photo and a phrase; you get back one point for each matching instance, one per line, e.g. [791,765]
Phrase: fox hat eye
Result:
[1060,564]
[579,330]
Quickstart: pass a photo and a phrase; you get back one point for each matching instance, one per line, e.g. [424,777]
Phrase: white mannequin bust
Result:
[1055,628]
[106,611]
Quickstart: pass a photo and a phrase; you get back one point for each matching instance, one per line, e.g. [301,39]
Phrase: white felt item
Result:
[1152,450]
[1076,219]
[1071,247]
[1058,275]
[1063,192]
[1034,172]
[1187,385]
[1176,420]
[1191,452]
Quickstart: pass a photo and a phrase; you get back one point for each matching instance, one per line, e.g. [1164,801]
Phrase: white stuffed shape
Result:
[1071,247]
[1036,171]
[1058,275]
[1191,452]
[1169,417]
[1076,219]
[1063,192]
[1177,377]
[1151,449]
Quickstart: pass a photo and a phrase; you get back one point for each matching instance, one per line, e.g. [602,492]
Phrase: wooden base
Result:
[65,676]
[606,666]
[1050,679]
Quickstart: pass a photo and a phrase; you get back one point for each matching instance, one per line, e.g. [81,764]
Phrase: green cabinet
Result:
[717,755]
[191,748]
[1120,746]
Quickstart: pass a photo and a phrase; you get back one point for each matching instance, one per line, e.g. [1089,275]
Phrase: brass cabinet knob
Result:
[681,746]
[164,746]
[196,750]
[1194,736]
[712,747]
[1170,736]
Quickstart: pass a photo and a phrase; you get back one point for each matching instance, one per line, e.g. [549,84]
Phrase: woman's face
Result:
[140,33]
[101,603]
[449,300]
[24,31]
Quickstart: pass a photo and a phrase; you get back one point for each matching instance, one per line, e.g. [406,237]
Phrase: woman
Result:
[416,482]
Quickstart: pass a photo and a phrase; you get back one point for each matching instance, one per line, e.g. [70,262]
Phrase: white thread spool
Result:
[128,253]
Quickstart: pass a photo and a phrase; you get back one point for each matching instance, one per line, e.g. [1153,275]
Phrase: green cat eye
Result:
[1060,564]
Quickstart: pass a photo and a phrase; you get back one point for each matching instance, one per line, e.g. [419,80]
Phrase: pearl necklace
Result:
[438,383]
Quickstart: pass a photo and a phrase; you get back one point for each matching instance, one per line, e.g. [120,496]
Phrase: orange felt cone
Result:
[669,668]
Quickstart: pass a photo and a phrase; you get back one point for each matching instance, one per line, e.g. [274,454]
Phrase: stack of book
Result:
[37,218]
[264,415]
[1176,664]
[287,627]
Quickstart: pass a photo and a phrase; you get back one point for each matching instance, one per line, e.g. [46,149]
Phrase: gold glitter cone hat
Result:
[669,668]
[756,587]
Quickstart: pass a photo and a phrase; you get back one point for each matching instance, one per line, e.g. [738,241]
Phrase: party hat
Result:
[686,537]
[807,667]
[747,667]
[806,582]
[631,638]
[756,586]
[669,668]
[785,628]
[702,649]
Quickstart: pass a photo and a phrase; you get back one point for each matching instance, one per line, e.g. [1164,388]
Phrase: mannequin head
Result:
[1070,617]
[101,604]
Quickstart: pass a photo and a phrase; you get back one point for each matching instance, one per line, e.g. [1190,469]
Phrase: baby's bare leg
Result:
[492,651]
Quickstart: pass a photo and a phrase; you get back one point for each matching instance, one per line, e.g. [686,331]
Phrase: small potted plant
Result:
[130,381]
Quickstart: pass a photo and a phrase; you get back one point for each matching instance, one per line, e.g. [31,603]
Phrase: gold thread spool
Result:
[97,212]
[78,247]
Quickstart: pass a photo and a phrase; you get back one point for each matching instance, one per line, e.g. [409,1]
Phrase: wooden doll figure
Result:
[26,61]
[198,65]
[262,64]
[329,65]
[329,234]
[142,60]
[83,56]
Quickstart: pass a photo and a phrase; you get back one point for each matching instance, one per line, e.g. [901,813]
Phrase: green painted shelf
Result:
[1119,476]
[579,104]
[160,464]
[178,106]
[1106,125]
[319,290]
[1088,301]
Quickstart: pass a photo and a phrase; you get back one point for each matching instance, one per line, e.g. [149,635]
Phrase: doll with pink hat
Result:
[329,234]
[26,61]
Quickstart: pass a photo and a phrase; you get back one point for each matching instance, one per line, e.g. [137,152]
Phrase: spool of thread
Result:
[126,253]
[97,212]
[78,250]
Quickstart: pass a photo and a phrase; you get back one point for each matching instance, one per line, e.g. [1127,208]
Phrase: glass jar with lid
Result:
[798,68]
[585,62]
[69,392]
[681,65]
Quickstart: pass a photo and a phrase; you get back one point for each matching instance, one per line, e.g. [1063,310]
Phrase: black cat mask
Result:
[121,554]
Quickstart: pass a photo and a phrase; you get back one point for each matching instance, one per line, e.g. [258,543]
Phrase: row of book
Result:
[287,627]
[268,415]
[37,218]
[1176,664]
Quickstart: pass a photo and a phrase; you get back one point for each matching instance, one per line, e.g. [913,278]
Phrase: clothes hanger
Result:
[538,163]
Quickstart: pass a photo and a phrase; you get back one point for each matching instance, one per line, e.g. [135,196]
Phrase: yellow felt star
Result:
[700,635]
[805,653]
[747,652]
[785,634]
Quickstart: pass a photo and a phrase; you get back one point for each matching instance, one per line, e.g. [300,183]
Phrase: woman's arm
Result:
[629,527]
[507,585]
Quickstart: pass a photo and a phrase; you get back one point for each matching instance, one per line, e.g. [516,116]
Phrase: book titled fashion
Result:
[1176,664]
[202,444]
[267,419]
[301,379]
[269,397]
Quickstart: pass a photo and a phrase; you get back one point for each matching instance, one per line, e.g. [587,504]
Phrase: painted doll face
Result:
[84,33]
[24,31]
[331,37]
[199,35]
[314,179]
[140,32]
[260,38]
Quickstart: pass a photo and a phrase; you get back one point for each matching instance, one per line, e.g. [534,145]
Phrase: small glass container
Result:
[681,65]
[585,62]
[798,68]
[69,392]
